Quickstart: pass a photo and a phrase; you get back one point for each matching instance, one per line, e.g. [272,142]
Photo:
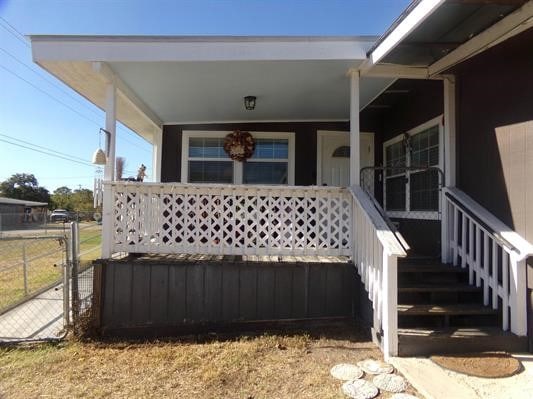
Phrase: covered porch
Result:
[292,198]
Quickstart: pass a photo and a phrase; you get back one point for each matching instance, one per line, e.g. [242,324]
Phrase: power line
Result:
[51,82]
[22,38]
[50,152]
[48,80]
[44,148]
[47,153]
[63,103]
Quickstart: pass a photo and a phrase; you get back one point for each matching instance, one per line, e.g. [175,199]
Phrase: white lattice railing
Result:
[226,220]
[375,251]
[494,254]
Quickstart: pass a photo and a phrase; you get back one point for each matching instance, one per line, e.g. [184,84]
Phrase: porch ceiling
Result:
[166,80]
[202,92]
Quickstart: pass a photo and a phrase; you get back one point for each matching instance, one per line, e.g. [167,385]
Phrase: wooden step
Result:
[442,310]
[430,268]
[436,287]
[424,342]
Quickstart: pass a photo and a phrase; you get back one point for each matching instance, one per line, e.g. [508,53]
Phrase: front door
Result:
[333,166]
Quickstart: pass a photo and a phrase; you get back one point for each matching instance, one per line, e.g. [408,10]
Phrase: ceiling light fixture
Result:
[249,102]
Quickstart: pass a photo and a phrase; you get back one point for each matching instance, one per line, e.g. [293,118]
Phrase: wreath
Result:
[239,145]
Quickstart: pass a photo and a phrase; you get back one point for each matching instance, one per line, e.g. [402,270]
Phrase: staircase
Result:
[439,312]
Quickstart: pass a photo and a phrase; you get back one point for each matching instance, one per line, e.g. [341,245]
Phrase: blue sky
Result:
[36,108]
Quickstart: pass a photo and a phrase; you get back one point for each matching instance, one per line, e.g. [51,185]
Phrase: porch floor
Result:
[192,258]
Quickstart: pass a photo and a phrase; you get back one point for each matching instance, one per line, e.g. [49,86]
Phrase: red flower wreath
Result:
[239,145]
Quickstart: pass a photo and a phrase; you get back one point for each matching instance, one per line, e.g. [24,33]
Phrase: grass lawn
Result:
[43,259]
[267,366]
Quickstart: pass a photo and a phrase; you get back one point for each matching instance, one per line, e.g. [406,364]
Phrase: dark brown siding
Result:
[305,144]
[495,131]
[423,102]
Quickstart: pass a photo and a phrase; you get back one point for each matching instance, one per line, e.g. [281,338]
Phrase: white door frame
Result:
[319,135]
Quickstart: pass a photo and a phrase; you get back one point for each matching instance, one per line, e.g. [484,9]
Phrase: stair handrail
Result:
[375,251]
[386,235]
[499,230]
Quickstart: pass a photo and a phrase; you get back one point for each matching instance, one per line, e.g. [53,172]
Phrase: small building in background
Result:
[15,213]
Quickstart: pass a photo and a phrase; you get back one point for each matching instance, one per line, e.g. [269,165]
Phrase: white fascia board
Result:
[137,49]
[128,93]
[485,39]
[417,15]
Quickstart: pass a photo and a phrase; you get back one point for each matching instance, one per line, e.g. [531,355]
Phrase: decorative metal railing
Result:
[226,219]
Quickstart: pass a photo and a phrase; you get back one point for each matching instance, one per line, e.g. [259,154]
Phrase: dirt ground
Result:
[249,367]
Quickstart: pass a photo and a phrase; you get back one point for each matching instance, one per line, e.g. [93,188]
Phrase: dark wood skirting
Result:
[171,295]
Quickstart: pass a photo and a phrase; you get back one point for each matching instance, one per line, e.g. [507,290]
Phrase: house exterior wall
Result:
[495,131]
[495,136]
[305,144]
[13,216]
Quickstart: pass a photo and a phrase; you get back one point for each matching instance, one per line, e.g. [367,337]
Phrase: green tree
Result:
[24,186]
[62,198]
[82,200]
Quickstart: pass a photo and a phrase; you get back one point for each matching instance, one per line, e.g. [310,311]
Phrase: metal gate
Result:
[410,199]
[33,287]
[44,288]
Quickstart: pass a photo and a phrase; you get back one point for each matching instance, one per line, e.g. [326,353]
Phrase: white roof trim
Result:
[417,15]
[183,48]
[505,28]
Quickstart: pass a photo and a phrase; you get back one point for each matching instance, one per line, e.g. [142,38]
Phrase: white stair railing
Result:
[493,253]
[375,253]
[216,219]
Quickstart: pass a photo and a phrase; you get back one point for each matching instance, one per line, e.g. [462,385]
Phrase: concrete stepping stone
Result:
[390,383]
[403,396]
[371,366]
[346,372]
[360,389]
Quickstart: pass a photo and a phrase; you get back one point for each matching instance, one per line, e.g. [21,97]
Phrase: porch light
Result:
[249,102]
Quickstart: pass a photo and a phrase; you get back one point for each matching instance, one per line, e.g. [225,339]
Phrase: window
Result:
[208,162]
[205,161]
[408,192]
[341,152]
[269,163]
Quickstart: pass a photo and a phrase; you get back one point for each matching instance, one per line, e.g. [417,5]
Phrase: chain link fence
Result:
[37,223]
[46,282]
[31,294]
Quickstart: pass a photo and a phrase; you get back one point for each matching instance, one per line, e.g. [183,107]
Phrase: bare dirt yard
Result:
[249,367]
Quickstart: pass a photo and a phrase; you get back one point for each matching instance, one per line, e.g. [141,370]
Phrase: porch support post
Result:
[449,164]
[109,171]
[449,132]
[355,161]
[157,149]
[111,127]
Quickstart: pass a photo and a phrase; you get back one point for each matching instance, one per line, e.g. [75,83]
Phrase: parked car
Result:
[60,215]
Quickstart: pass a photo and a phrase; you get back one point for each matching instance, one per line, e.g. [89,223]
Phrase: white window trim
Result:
[237,166]
[425,215]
